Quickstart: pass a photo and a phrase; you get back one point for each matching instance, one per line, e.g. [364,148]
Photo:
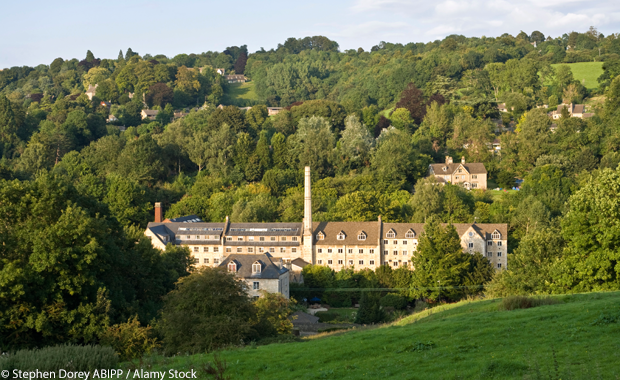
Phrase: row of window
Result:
[261,238]
[341,250]
[395,253]
[206,261]
[490,254]
[395,242]
[341,262]
[199,237]
[249,249]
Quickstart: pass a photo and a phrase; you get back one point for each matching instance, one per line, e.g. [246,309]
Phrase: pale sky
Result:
[35,32]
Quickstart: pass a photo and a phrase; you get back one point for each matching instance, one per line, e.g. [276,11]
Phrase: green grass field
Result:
[577,338]
[586,72]
[240,92]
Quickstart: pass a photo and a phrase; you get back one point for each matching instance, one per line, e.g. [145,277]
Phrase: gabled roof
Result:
[244,266]
[485,230]
[472,168]
[350,229]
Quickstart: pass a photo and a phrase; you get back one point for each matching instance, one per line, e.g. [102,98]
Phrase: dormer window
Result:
[320,236]
[496,235]
[232,267]
[391,234]
[361,236]
[444,169]
[341,236]
[410,234]
[257,267]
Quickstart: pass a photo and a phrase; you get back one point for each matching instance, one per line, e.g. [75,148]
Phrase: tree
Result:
[396,160]
[280,154]
[197,148]
[207,310]
[401,119]
[165,116]
[256,116]
[127,201]
[413,100]
[370,310]
[313,143]
[537,37]
[220,150]
[355,145]
[440,264]
[240,63]
[159,94]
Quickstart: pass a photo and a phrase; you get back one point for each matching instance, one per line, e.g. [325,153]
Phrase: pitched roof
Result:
[350,229]
[244,266]
[579,108]
[485,229]
[150,112]
[183,228]
[185,219]
[264,229]
[472,168]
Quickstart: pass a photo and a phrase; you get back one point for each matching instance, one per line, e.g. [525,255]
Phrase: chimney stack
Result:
[158,213]
[463,160]
[448,160]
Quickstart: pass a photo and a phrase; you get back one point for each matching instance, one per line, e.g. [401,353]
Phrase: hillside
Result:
[585,72]
[574,339]
[240,94]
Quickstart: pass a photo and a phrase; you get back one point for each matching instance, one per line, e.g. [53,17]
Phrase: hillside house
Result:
[271,111]
[259,273]
[469,175]
[220,71]
[237,78]
[150,114]
[92,91]
[574,110]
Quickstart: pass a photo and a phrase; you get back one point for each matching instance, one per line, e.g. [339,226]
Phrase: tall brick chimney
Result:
[158,213]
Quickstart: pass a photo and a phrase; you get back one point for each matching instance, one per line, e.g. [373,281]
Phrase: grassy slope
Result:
[240,91]
[471,341]
[588,71]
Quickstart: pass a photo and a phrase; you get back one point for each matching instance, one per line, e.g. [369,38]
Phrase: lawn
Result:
[238,93]
[497,194]
[574,339]
[586,72]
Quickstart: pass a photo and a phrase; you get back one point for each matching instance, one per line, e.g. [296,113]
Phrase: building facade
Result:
[337,245]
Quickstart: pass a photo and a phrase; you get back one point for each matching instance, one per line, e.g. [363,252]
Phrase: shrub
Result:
[130,340]
[327,316]
[396,301]
[337,299]
[273,309]
[523,302]
[67,357]
[370,310]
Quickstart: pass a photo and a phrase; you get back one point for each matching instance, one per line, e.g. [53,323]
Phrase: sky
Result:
[36,32]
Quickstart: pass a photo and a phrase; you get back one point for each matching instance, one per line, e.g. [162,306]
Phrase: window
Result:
[216,261]
[372,262]
[340,250]
[228,238]
[490,254]
[361,236]
[196,260]
[197,237]
[239,238]
[329,262]
[471,234]
[499,254]
[499,243]
[473,176]
[496,235]
[391,234]
[206,261]
[239,249]
[205,249]
[293,250]
[216,249]
[395,242]
[188,237]
[320,261]
[329,250]
[350,262]
[256,267]
[385,242]
[320,236]
[404,253]
[395,263]
[294,238]
[385,252]
[250,250]
[283,238]
[250,238]
[340,236]
[282,250]
[196,249]
[474,185]
[232,267]
[410,234]
[460,170]
[339,262]
[255,285]
[360,251]
[272,250]
[361,262]
[262,238]
[320,250]
[499,265]
[404,242]
[470,245]
[261,249]
[350,250]
[489,243]
[273,238]
[228,250]
[372,251]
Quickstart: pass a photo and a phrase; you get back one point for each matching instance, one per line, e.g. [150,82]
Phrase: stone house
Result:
[574,110]
[237,78]
[92,91]
[150,114]
[469,175]
[259,273]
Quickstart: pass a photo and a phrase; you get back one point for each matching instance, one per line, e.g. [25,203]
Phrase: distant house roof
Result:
[150,112]
[472,168]
[235,77]
[244,266]
[579,108]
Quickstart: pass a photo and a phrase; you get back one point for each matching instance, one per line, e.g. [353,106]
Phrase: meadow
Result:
[575,338]
[240,94]
[586,72]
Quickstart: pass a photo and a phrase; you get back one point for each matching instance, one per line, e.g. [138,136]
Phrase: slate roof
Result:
[484,230]
[185,219]
[199,228]
[350,229]
[264,229]
[472,168]
[244,266]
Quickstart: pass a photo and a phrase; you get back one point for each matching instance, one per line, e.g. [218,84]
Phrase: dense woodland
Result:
[76,193]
